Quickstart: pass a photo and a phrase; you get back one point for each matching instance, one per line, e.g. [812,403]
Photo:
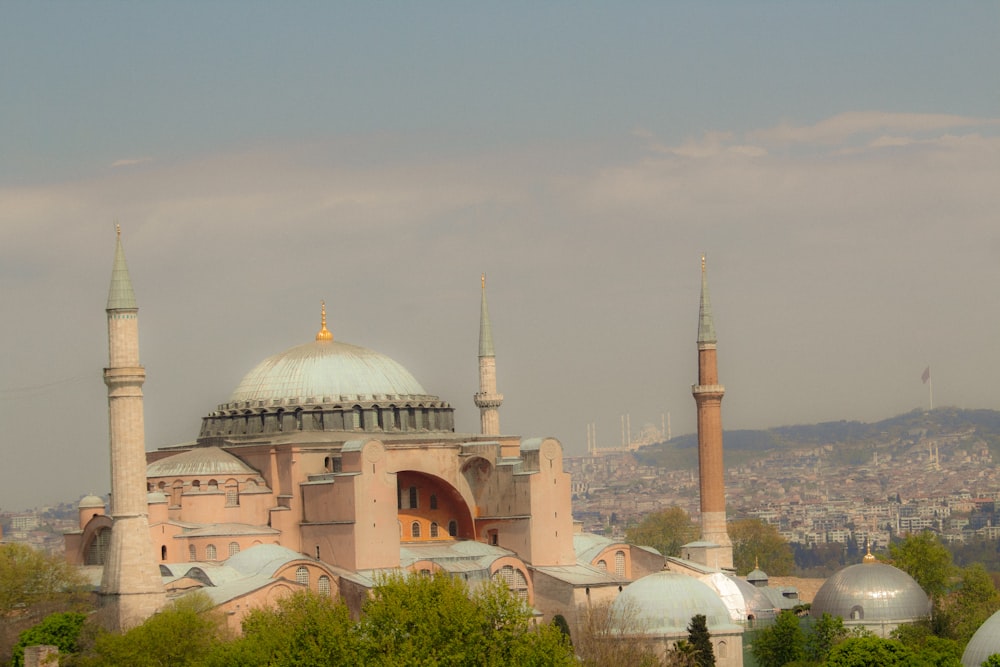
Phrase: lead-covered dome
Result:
[984,643]
[665,602]
[326,369]
[871,594]
[326,385]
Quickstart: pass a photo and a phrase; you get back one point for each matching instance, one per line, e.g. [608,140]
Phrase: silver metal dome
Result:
[984,643]
[664,603]
[872,593]
[326,368]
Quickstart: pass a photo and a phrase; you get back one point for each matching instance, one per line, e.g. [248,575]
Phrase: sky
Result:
[838,164]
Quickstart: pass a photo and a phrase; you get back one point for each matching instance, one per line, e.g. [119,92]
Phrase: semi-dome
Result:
[984,643]
[872,593]
[326,369]
[665,602]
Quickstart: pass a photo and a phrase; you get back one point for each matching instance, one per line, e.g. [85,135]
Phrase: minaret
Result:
[487,399]
[131,588]
[708,397]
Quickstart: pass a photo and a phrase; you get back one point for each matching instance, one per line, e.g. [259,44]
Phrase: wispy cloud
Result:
[128,162]
[840,128]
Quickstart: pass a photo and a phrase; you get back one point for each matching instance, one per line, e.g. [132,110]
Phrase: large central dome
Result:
[325,370]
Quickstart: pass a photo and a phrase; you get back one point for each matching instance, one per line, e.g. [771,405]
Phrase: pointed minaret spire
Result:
[324,333]
[706,328]
[131,586]
[120,296]
[708,395]
[487,399]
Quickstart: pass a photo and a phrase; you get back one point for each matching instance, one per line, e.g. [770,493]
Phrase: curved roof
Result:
[872,593]
[199,461]
[984,643]
[262,559]
[664,603]
[326,368]
[90,501]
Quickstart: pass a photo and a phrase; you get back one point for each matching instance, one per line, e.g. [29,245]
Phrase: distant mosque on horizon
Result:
[330,464]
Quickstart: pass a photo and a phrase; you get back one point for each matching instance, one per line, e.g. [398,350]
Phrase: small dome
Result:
[90,502]
[757,576]
[872,593]
[665,602]
[326,368]
[984,643]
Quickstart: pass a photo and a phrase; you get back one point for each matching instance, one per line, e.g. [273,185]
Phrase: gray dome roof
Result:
[326,368]
[984,643]
[91,501]
[199,461]
[872,593]
[666,601]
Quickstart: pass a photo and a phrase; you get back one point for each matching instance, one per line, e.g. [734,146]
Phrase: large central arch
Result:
[430,508]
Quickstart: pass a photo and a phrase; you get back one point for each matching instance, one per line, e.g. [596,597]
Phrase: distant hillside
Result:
[853,440]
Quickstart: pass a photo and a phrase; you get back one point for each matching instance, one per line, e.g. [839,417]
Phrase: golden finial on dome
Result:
[484,280]
[118,229]
[703,262]
[324,333]
[868,556]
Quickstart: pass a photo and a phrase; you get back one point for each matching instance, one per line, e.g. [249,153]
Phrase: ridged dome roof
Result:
[326,368]
[984,643]
[872,593]
[665,602]
[199,461]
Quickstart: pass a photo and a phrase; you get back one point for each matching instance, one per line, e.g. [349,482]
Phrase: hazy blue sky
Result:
[838,162]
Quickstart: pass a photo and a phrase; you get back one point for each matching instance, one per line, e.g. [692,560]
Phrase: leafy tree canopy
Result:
[29,577]
[781,643]
[924,558]
[756,542]
[666,531]
[61,630]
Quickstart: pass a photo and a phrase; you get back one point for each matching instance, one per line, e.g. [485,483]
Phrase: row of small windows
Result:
[435,531]
[431,418]
[322,584]
[232,489]
[211,553]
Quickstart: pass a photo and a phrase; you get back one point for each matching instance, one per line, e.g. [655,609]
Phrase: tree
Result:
[825,633]
[61,630]
[960,612]
[29,577]
[924,558]
[867,651]
[186,634]
[992,661]
[608,635]
[780,643]
[666,531]
[756,543]
[304,629]
[420,620]
[701,640]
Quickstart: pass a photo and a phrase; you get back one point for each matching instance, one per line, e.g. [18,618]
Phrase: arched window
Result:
[210,552]
[602,565]
[434,529]
[514,579]
[415,529]
[192,552]
[413,497]
[620,563]
[857,613]
[213,485]
[234,548]
[356,417]
[302,575]
[434,502]
[196,485]
[324,585]
[722,651]
[453,528]
[163,552]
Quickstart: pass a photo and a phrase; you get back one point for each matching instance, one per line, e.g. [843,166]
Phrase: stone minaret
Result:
[487,399]
[708,397]
[131,588]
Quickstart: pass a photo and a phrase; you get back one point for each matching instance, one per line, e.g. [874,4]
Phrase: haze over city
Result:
[838,164]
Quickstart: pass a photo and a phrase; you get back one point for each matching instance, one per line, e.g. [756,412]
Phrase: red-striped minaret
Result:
[718,548]
[131,586]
